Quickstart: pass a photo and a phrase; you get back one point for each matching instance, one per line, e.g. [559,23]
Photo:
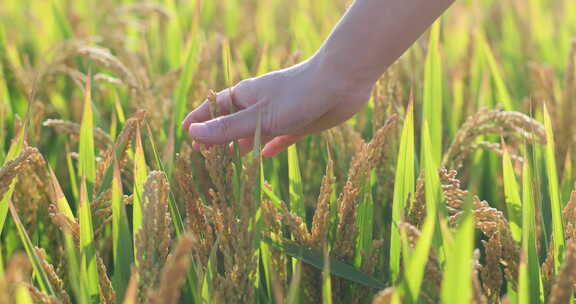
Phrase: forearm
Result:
[373,34]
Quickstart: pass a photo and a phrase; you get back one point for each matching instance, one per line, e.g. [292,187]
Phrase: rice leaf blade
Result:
[403,187]
[432,103]
[558,237]
[121,240]
[87,156]
[512,192]
[295,183]
[533,291]
[41,276]
[457,281]
[89,281]
[316,260]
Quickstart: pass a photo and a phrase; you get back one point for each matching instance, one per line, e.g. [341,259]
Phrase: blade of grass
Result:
[457,281]
[121,240]
[326,279]
[554,193]
[72,175]
[502,92]
[432,103]
[417,260]
[185,81]
[529,247]
[22,295]
[61,22]
[70,248]
[140,176]
[512,193]
[295,183]
[365,223]
[41,276]
[87,157]
[415,264]
[88,269]
[13,152]
[403,187]
[316,260]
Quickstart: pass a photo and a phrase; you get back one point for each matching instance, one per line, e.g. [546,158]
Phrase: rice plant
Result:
[455,184]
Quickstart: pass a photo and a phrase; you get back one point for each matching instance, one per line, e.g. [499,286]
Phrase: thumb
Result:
[226,128]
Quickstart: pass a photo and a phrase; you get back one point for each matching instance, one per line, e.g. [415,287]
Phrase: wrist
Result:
[339,75]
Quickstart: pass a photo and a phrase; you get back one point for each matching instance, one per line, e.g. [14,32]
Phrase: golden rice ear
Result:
[174,272]
[563,287]
[155,235]
[516,127]
[101,139]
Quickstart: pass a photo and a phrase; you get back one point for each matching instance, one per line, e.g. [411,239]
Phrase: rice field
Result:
[453,185]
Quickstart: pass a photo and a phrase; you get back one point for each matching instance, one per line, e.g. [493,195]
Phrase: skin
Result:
[326,89]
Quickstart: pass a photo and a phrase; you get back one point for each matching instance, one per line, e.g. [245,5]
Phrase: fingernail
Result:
[198,130]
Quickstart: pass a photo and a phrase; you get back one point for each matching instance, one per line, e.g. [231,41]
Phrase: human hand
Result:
[294,102]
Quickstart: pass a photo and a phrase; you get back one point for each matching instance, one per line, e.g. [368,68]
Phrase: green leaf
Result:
[502,93]
[13,152]
[295,183]
[22,295]
[416,261]
[457,281]
[365,223]
[316,260]
[432,103]
[554,193]
[87,155]
[185,81]
[121,240]
[62,23]
[70,248]
[403,187]
[416,265]
[41,276]
[531,288]
[512,192]
[88,269]
[140,176]
[326,279]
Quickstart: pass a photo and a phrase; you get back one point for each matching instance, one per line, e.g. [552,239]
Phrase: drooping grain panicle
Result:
[321,214]
[65,223]
[107,292]
[101,139]
[55,280]
[174,272]
[563,287]
[569,215]
[13,167]
[273,225]
[516,128]
[364,160]
[153,238]
[197,219]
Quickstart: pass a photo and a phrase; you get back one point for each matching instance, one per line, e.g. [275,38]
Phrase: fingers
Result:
[226,103]
[245,145]
[226,128]
[279,144]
